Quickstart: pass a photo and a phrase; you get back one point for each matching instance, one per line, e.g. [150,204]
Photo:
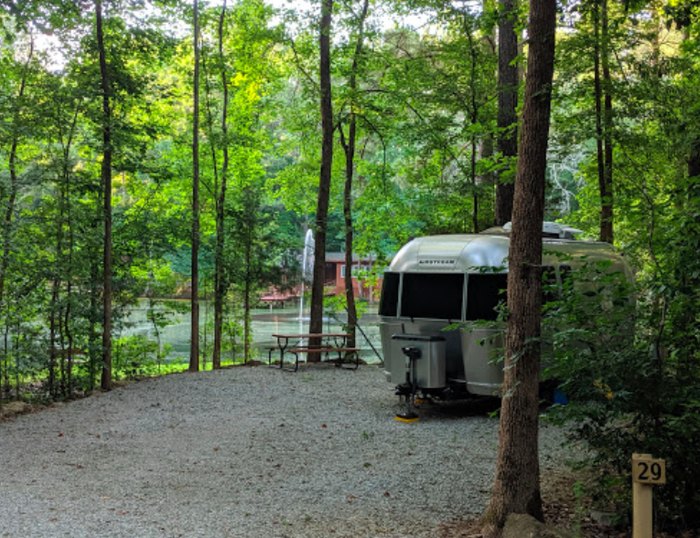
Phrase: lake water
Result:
[266,322]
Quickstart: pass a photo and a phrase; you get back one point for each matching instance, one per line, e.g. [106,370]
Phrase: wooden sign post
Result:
[646,473]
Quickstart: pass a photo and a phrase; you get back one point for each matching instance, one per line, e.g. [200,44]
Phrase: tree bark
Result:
[316,321]
[517,485]
[474,118]
[607,220]
[247,294]
[194,299]
[94,316]
[64,260]
[507,141]
[219,269]
[603,110]
[349,149]
[54,313]
[106,380]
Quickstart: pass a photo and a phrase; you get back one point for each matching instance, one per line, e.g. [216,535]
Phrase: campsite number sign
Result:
[647,470]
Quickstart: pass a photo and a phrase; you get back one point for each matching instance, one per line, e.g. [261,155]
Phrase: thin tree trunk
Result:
[507,141]
[607,218]
[93,337]
[347,210]
[475,187]
[68,315]
[598,96]
[247,293]
[219,269]
[603,117]
[55,310]
[517,481]
[53,351]
[349,149]
[68,271]
[106,381]
[6,360]
[316,322]
[474,118]
[68,333]
[194,301]
[15,347]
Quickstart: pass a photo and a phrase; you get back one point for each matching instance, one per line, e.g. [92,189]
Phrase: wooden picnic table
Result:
[327,343]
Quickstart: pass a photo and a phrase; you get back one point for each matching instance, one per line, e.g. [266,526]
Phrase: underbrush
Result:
[631,371]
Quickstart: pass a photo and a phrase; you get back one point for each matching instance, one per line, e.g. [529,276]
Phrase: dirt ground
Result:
[561,510]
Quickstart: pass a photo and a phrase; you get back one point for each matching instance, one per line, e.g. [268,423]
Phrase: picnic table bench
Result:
[332,345]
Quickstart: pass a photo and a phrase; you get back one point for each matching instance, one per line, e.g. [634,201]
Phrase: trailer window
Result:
[432,295]
[390,295]
[484,293]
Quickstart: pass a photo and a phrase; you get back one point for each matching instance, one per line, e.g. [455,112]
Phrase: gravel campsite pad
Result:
[247,452]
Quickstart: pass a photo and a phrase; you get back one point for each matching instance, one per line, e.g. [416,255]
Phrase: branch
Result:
[303,71]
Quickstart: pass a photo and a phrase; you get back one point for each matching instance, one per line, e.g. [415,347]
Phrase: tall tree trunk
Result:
[247,295]
[6,359]
[106,381]
[219,269]
[56,311]
[517,482]
[67,258]
[603,110]
[349,149]
[474,118]
[507,141]
[324,185]
[53,324]
[607,220]
[68,335]
[347,211]
[94,315]
[473,179]
[194,300]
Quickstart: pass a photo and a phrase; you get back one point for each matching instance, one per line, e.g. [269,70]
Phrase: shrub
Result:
[632,375]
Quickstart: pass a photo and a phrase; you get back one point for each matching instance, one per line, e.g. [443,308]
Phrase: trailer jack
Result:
[408,389]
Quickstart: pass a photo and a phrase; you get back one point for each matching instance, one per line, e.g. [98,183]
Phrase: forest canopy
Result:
[422,95]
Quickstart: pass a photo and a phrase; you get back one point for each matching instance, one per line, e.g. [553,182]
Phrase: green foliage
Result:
[634,382]
[631,378]
[335,306]
[133,355]
[444,116]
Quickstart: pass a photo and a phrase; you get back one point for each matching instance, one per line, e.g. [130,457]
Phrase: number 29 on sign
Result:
[648,470]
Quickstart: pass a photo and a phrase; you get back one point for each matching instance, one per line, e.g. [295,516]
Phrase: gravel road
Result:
[247,452]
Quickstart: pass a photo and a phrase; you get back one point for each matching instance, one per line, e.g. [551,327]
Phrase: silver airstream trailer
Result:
[439,307]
